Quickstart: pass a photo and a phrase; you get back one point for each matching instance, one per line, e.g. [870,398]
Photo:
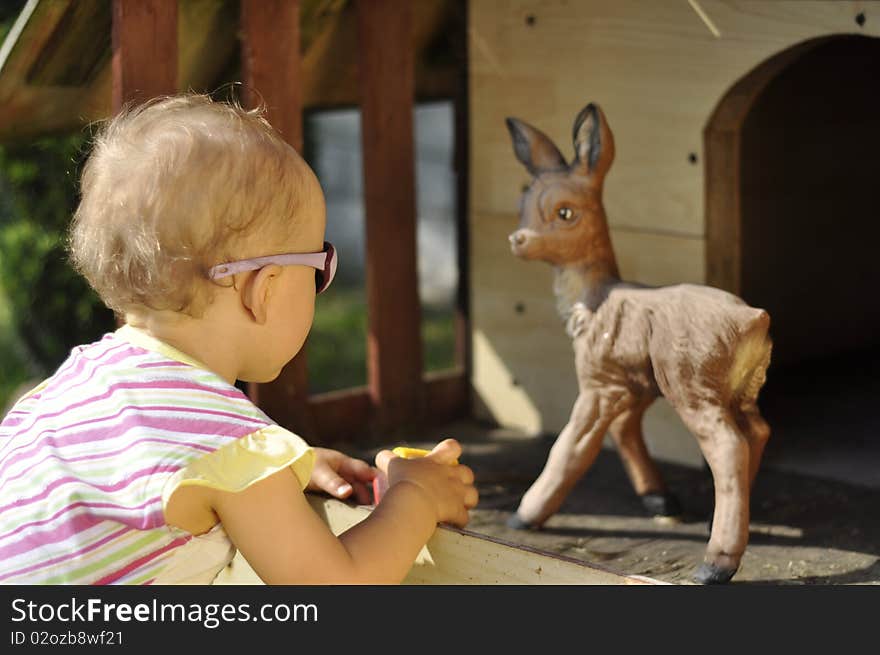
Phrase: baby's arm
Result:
[285,542]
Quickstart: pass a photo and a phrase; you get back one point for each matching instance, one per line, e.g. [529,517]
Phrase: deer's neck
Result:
[587,283]
[588,280]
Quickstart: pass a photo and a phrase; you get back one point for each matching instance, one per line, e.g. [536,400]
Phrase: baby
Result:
[139,461]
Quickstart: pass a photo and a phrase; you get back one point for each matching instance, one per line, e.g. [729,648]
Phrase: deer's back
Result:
[653,340]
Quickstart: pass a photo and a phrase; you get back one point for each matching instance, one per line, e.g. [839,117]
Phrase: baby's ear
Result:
[257,292]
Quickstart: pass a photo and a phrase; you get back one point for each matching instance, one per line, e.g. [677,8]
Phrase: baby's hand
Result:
[449,486]
[340,475]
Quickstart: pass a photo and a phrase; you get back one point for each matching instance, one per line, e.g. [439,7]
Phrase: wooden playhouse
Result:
[705,98]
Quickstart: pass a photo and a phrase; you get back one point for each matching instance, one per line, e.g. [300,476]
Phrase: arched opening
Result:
[793,220]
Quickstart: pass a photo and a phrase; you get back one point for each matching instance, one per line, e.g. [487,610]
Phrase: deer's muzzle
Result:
[519,242]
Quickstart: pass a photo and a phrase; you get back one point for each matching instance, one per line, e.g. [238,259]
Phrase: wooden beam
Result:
[347,415]
[447,396]
[272,78]
[205,58]
[459,557]
[144,43]
[394,348]
[271,63]
[723,216]
[463,354]
[341,415]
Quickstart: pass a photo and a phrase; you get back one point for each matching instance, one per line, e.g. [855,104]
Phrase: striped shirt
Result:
[89,458]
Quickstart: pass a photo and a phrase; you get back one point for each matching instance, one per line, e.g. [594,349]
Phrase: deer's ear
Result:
[593,142]
[534,148]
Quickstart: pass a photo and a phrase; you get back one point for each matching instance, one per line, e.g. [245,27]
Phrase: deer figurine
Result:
[705,350]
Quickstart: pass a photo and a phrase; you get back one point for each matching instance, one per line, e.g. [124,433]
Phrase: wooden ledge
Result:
[460,557]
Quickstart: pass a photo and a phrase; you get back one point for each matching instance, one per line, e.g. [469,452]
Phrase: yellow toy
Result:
[412,453]
[380,483]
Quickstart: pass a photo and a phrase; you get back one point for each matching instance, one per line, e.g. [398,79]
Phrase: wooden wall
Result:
[658,69]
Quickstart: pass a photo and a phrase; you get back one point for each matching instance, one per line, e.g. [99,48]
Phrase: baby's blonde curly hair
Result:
[175,186]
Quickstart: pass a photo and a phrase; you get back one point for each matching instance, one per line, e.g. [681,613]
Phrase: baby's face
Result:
[292,306]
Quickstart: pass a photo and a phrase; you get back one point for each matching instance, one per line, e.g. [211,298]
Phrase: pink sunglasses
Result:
[323,262]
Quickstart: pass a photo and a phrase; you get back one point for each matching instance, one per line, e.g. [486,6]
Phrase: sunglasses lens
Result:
[325,277]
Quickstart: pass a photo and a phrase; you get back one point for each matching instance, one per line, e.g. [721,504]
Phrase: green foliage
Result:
[15,366]
[337,345]
[50,307]
[438,338]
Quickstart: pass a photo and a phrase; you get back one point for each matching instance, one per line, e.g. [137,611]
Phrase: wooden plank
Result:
[144,47]
[20,103]
[271,63]
[460,557]
[209,44]
[330,57]
[341,415]
[144,42]
[346,415]
[723,235]
[272,78]
[394,348]
[27,35]
[447,396]
[79,47]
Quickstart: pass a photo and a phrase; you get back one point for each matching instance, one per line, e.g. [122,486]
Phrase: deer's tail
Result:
[751,359]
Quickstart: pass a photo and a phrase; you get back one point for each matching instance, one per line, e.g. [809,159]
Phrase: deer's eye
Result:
[565,213]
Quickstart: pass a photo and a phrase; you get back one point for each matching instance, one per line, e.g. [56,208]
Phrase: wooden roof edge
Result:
[40,94]
[15,32]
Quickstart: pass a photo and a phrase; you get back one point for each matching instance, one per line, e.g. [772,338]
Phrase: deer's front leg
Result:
[646,480]
[572,454]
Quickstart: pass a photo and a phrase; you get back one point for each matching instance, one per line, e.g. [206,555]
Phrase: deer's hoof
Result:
[710,574]
[662,504]
[517,523]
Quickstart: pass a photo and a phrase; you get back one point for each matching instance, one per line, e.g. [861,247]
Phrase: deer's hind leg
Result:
[747,415]
[757,433]
[646,480]
[726,450]
[570,457]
